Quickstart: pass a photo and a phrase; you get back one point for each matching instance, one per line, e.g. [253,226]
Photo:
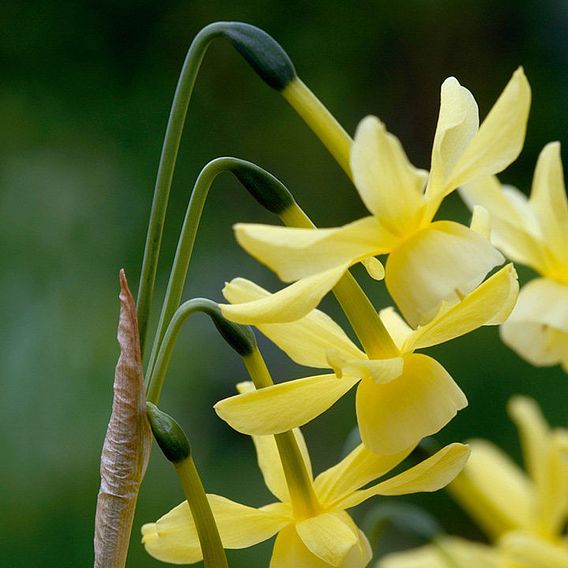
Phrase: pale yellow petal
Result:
[284,406]
[494,490]
[458,122]
[297,253]
[489,304]
[534,433]
[398,329]
[481,221]
[388,184]
[528,550]
[306,340]
[173,538]
[446,552]
[290,552]
[328,536]
[500,137]
[544,463]
[290,304]
[443,262]
[397,415]
[514,229]
[538,326]
[379,370]
[429,475]
[358,468]
[548,200]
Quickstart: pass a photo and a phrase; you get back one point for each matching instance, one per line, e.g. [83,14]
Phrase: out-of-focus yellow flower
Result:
[329,537]
[524,515]
[534,232]
[430,262]
[446,552]
[399,399]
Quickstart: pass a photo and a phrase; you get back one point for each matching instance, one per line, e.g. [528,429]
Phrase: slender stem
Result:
[211,545]
[321,121]
[156,379]
[360,312]
[302,494]
[166,167]
[184,249]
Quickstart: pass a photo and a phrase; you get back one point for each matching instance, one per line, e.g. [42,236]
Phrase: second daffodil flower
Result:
[400,399]
[534,232]
[429,261]
[328,536]
[523,514]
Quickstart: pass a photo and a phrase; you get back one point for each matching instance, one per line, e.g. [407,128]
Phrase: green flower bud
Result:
[168,433]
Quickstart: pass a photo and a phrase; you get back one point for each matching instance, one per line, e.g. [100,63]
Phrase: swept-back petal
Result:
[494,490]
[268,456]
[173,538]
[548,200]
[398,414]
[500,137]
[458,122]
[442,262]
[289,304]
[284,406]
[489,304]
[328,536]
[430,475]
[354,471]
[306,340]
[389,185]
[514,229]
[297,253]
[538,326]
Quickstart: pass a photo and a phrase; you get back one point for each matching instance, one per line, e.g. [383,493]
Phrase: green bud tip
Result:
[168,433]
[262,52]
[268,191]
[240,337]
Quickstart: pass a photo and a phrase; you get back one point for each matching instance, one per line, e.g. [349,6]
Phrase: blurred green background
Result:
[85,92]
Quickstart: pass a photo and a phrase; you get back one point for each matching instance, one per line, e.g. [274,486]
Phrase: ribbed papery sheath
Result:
[126,446]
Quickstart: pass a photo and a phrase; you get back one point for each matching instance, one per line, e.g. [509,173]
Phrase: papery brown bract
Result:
[126,446]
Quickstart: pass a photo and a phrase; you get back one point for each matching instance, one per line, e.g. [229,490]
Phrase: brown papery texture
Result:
[126,446]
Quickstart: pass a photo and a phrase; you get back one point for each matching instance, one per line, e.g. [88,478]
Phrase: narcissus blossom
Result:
[524,514]
[400,399]
[430,262]
[534,232]
[327,538]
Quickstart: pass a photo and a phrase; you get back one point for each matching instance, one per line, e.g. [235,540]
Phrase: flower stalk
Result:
[174,444]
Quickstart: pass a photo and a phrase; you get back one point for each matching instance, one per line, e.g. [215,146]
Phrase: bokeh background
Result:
[85,92]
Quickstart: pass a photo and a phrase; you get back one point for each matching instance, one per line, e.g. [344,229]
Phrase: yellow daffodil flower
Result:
[327,538]
[400,399]
[524,515]
[534,232]
[430,262]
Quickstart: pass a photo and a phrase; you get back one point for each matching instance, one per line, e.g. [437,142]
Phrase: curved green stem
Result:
[166,167]
[156,379]
[264,187]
